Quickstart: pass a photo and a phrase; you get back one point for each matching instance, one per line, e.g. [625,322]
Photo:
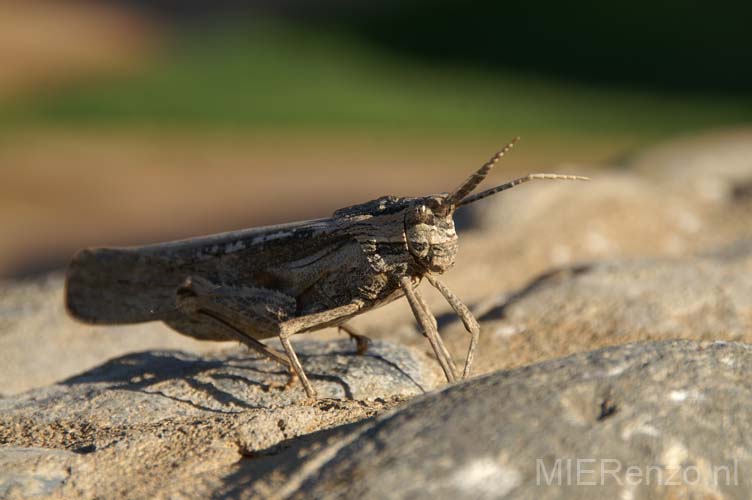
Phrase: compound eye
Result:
[423,214]
[440,210]
[438,206]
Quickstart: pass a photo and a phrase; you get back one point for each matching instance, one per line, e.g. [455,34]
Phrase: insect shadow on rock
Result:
[278,281]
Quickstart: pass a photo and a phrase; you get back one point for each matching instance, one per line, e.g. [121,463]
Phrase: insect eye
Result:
[423,214]
[441,210]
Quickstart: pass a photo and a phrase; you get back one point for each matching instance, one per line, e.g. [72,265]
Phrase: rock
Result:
[40,344]
[34,472]
[613,214]
[676,199]
[149,386]
[713,168]
[649,420]
[580,308]
[610,218]
[176,420]
[627,257]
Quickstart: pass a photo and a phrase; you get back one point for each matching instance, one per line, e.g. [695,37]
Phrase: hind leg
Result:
[226,313]
[265,312]
[246,339]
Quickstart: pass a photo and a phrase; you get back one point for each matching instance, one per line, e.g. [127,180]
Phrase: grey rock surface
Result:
[40,344]
[709,296]
[597,218]
[177,383]
[658,249]
[34,472]
[715,168]
[678,198]
[677,410]
[175,420]
[580,308]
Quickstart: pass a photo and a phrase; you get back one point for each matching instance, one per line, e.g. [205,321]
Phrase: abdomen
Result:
[116,286]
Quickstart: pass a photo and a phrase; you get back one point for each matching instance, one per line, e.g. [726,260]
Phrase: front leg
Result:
[428,324]
[439,341]
[471,324]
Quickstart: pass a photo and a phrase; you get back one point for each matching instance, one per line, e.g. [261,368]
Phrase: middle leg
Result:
[361,341]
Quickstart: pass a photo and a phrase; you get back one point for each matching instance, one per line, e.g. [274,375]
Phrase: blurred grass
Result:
[269,76]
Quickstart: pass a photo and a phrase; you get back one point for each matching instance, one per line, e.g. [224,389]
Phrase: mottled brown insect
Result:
[278,281]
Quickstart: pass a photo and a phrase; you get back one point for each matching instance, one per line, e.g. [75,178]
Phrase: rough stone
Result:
[676,410]
[40,344]
[551,269]
[176,420]
[715,168]
[34,472]
[616,214]
[676,199]
[581,308]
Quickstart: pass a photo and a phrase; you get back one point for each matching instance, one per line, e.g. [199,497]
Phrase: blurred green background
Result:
[130,121]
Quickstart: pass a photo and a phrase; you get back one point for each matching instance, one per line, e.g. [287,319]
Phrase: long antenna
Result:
[472,182]
[516,182]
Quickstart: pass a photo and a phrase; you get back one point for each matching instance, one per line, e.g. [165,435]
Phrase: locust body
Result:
[278,281]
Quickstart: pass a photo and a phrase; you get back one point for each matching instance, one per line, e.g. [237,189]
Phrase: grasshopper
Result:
[278,281]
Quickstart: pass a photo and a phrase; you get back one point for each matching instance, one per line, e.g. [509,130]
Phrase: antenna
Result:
[517,182]
[472,182]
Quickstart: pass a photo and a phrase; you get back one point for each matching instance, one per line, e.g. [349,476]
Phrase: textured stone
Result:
[147,387]
[34,472]
[551,269]
[676,199]
[40,344]
[175,420]
[673,409]
[581,308]
[715,168]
